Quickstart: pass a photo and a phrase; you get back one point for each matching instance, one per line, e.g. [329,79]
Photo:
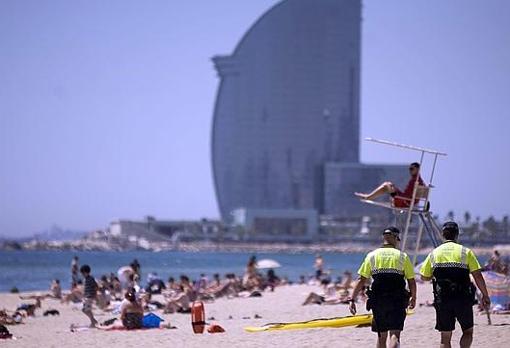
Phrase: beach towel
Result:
[76,328]
[122,328]
[498,286]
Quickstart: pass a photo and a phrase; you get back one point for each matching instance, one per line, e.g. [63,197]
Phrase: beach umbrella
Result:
[268,263]
[498,286]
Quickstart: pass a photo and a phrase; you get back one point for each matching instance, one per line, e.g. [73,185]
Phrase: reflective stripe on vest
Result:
[451,264]
[399,270]
[372,262]
[401,262]
[463,256]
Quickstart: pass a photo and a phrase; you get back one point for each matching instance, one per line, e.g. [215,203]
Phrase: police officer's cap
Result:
[451,226]
[395,232]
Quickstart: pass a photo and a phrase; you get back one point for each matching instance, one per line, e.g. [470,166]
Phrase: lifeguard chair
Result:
[421,201]
[418,204]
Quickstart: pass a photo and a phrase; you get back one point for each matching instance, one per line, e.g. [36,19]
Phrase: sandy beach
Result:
[280,306]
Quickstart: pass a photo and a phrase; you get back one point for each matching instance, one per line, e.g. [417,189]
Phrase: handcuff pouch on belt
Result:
[398,297]
[446,290]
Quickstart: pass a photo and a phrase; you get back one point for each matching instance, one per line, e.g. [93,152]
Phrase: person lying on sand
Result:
[75,295]
[131,311]
[55,292]
[30,308]
[332,295]
[230,287]
[10,319]
[214,285]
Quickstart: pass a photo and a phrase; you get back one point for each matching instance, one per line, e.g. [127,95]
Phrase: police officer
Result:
[449,266]
[387,296]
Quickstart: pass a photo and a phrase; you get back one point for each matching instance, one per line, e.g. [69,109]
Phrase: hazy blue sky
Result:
[106,106]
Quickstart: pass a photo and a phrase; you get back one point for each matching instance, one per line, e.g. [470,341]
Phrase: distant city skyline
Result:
[105,107]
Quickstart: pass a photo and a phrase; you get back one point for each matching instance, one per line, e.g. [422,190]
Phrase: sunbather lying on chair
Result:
[401,199]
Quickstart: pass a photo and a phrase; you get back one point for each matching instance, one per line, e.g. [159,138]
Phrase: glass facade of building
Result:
[288,102]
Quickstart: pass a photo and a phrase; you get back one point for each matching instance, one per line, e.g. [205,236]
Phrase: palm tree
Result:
[505,226]
[467,218]
[491,225]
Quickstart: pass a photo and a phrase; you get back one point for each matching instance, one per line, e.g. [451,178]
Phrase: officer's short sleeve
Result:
[426,268]
[365,269]
[408,268]
[472,261]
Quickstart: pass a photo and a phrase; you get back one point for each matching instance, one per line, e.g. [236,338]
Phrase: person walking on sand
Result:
[449,266]
[387,298]
[89,294]
[75,270]
[137,269]
[319,266]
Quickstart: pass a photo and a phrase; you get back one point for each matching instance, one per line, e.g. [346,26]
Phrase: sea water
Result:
[34,270]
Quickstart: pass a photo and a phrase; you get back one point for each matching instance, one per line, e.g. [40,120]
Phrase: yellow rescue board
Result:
[355,320]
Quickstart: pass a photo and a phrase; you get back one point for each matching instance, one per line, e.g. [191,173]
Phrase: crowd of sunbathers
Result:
[125,295]
[24,310]
[333,291]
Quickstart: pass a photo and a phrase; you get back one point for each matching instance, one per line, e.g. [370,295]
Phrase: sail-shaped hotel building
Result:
[286,126]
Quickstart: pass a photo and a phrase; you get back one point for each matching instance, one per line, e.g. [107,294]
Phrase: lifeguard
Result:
[401,199]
